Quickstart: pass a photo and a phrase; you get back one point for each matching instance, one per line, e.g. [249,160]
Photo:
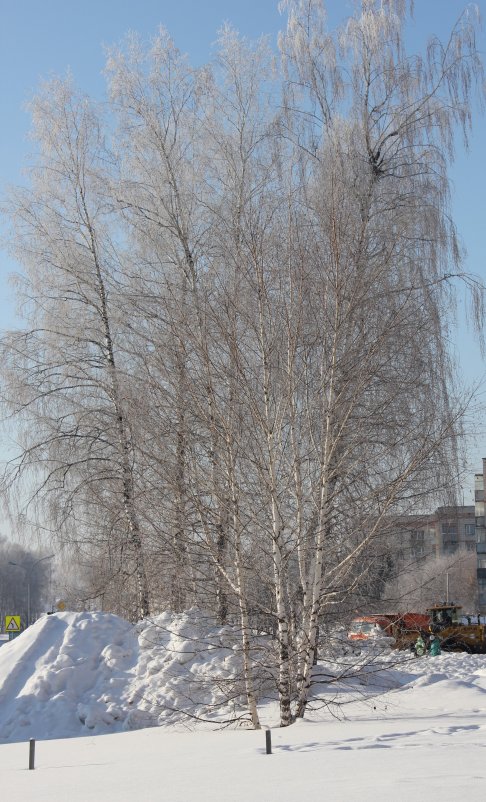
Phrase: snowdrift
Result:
[89,674]
[72,674]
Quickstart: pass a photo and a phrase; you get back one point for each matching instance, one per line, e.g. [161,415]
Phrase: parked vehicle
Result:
[401,629]
[366,627]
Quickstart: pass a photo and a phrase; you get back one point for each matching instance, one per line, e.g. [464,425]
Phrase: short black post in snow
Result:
[32,753]
[268,741]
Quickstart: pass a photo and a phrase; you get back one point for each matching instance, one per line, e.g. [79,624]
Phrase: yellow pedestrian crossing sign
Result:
[12,623]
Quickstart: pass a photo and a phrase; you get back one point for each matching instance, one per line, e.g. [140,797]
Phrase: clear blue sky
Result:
[42,37]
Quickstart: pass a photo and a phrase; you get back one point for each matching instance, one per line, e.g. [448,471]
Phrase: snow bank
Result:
[422,739]
[72,674]
[65,675]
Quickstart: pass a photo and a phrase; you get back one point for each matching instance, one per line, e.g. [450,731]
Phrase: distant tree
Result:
[425,583]
[24,582]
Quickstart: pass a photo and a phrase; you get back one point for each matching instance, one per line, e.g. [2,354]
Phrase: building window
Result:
[480,534]
[449,529]
[417,542]
[482,562]
[470,530]
[449,535]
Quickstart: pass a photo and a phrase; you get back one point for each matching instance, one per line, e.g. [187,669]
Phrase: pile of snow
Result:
[72,674]
[75,674]
[423,738]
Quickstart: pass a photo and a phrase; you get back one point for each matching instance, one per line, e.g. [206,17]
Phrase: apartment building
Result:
[479,487]
[441,533]
[448,530]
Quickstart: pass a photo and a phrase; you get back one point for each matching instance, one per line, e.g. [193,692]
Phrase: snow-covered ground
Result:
[87,674]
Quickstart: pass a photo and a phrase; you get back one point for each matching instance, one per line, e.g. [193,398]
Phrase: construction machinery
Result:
[457,632]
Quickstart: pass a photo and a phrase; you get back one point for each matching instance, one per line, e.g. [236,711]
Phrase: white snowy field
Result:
[81,674]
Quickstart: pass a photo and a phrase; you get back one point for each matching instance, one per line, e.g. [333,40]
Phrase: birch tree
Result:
[66,385]
[373,129]
[166,197]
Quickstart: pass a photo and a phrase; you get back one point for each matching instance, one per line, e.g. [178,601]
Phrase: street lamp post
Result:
[28,571]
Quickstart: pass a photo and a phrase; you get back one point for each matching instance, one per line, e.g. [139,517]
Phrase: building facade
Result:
[441,533]
[479,486]
[449,530]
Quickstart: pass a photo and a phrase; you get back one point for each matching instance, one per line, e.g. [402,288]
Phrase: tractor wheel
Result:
[456,646]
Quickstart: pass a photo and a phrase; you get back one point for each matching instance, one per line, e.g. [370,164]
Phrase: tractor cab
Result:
[443,616]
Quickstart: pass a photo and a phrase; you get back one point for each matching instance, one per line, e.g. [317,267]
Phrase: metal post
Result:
[268,741]
[31,754]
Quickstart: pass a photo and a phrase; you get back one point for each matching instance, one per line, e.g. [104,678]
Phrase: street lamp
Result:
[28,571]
